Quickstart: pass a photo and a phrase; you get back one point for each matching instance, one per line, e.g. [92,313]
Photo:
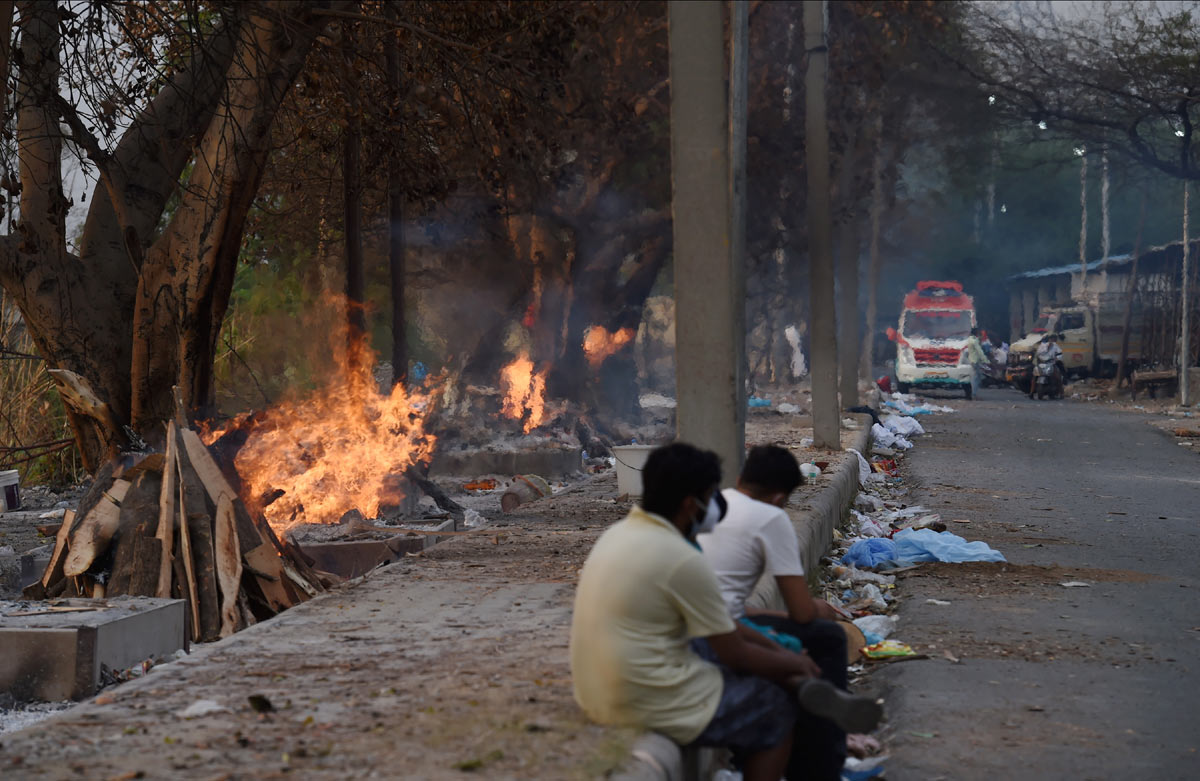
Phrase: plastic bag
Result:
[927,545]
[881,436]
[870,552]
[864,468]
[905,427]
[881,626]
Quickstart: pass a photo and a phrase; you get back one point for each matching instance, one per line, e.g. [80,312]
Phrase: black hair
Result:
[673,473]
[772,468]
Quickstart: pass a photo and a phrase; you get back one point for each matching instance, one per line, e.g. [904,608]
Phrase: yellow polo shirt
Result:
[643,593]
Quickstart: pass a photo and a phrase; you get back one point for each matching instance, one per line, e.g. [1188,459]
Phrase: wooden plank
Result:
[205,467]
[189,579]
[265,559]
[167,514]
[139,520]
[204,563]
[91,537]
[54,570]
[229,566]
[48,529]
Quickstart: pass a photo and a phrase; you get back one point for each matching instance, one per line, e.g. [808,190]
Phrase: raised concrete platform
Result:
[547,462]
[18,570]
[353,558]
[48,653]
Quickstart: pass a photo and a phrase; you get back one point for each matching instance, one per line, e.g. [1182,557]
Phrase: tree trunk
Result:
[847,315]
[868,350]
[396,238]
[356,324]
[1122,362]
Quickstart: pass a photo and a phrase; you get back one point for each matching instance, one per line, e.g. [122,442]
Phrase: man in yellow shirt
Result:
[653,645]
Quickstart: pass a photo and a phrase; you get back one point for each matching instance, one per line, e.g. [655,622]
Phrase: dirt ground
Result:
[451,662]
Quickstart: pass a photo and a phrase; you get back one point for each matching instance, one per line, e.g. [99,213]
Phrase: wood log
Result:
[101,483]
[229,566]
[54,569]
[144,579]
[265,560]
[204,564]
[138,520]
[48,529]
[167,513]
[90,537]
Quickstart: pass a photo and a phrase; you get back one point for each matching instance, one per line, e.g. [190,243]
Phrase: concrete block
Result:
[353,558]
[60,655]
[547,462]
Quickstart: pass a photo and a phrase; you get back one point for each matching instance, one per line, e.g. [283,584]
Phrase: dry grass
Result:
[35,437]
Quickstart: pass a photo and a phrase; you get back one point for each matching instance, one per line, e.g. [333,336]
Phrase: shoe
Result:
[853,713]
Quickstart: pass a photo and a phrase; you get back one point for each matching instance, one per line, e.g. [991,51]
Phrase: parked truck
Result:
[1089,334]
[931,341]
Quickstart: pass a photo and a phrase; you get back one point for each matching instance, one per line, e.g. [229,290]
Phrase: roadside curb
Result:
[654,757]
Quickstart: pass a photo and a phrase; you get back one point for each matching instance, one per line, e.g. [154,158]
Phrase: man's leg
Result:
[754,719]
[819,747]
[976,371]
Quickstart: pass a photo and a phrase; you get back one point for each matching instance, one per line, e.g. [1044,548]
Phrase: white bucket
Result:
[10,491]
[630,460]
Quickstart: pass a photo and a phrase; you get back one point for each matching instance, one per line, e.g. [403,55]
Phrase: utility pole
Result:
[1185,340]
[826,416]
[708,136]
[1082,152]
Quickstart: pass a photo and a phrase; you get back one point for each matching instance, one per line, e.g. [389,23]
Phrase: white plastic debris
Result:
[882,436]
[651,400]
[905,427]
[1075,584]
[810,471]
[878,625]
[871,592]
[788,408]
[868,503]
[864,468]
[51,514]
[856,575]
[201,708]
[936,602]
[473,519]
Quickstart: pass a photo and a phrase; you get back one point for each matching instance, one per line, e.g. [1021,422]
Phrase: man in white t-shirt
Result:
[757,538]
[653,646]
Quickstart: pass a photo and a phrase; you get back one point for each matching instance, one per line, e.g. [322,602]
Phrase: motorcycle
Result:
[1047,379]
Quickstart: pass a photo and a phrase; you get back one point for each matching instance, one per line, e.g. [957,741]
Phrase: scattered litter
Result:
[56,513]
[880,626]
[788,408]
[810,471]
[936,602]
[873,596]
[755,401]
[864,468]
[947,655]
[888,649]
[473,519]
[888,439]
[1075,584]
[201,708]
[905,427]
[870,552]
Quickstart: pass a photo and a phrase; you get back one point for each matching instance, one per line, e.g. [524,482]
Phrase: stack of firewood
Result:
[171,525]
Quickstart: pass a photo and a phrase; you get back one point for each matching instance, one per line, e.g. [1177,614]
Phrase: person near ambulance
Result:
[977,358]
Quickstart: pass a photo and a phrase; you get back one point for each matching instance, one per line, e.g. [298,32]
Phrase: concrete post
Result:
[1029,308]
[823,341]
[1185,308]
[1016,318]
[707,180]
[847,314]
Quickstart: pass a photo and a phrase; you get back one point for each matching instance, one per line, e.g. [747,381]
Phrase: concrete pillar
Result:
[707,194]
[826,415]
[847,314]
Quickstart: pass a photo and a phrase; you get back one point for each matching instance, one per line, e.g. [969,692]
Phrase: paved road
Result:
[1097,682]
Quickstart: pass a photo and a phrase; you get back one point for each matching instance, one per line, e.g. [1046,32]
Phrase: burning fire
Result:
[343,447]
[524,392]
[599,344]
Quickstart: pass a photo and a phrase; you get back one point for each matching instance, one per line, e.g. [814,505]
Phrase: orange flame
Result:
[599,344]
[524,392]
[343,447]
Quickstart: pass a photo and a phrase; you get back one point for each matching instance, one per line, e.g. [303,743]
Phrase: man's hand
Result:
[829,612]
[811,670]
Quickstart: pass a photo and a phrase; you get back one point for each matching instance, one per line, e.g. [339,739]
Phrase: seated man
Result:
[645,592]
[755,538]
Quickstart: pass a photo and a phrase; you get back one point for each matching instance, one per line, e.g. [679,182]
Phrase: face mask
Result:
[709,522]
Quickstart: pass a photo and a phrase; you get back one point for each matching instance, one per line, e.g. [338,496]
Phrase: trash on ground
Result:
[888,649]
[914,545]
[1075,584]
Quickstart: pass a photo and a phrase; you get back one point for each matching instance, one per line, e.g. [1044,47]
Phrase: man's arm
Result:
[801,606]
[749,658]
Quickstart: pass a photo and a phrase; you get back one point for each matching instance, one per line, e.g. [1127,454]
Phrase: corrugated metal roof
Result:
[1053,271]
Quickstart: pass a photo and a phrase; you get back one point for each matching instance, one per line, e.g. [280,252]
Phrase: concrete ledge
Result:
[657,758]
[59,655]
[358,557]
[547,462]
